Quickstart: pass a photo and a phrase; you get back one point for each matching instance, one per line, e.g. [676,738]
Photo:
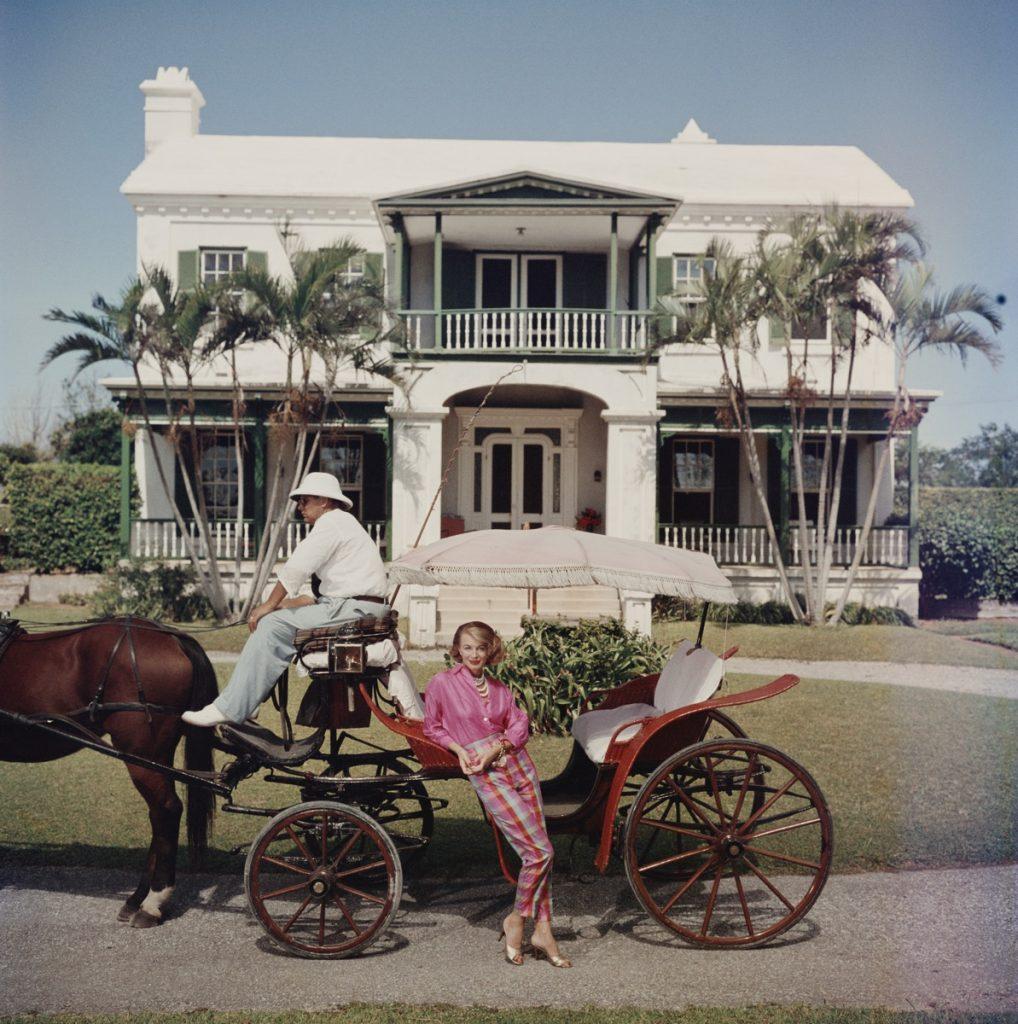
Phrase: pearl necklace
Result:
[481,685]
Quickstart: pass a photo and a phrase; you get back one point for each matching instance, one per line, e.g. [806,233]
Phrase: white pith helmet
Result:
[321,485]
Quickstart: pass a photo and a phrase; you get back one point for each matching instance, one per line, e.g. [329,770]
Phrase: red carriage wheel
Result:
[756,843]
[323,879]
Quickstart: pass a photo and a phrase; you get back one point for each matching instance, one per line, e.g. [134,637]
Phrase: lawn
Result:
[799,643]
[1002,632]
[914,778]
[403,1013]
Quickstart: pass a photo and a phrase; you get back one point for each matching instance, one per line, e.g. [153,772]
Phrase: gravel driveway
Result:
[913,940]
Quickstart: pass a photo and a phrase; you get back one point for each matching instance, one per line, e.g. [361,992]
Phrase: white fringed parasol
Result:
[556,556]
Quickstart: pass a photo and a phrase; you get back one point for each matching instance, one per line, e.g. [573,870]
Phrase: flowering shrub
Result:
[589,519]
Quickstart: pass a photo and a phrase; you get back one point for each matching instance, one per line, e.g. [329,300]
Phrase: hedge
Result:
[968,542]
[64,516]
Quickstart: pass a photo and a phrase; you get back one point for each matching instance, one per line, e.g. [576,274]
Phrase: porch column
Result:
[613,279]
[438,281]
[631,492]
[416,476]
[913,497]
[651,268]
[125,493]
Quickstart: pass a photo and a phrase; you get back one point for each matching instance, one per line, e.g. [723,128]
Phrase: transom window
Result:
[218,473]
[692,481]
[219,264]
[343,456]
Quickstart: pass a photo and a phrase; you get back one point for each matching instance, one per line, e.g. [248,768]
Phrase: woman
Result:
[475,716]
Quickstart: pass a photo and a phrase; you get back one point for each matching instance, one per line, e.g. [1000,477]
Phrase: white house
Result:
[540,260]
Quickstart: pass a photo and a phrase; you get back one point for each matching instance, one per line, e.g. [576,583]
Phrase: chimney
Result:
[172,107]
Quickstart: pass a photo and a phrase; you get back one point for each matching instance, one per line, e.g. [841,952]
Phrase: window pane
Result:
[496,284]
[501,477]
[533,479]
[554,434]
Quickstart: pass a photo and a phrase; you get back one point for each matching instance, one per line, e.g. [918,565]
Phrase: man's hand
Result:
[258,614]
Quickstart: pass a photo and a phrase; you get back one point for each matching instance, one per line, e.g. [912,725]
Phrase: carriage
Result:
[725,841]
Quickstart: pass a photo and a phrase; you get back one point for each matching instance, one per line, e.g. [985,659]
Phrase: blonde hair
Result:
[486,634]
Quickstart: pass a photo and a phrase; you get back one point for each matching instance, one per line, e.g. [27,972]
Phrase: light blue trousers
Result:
[269,650]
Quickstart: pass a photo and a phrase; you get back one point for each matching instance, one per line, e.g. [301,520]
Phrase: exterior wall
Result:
[154,503]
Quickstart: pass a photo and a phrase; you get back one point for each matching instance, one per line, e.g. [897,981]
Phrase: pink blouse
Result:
[455,713]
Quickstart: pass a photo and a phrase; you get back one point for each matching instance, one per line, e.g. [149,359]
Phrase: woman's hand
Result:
[470,763]
[495,755]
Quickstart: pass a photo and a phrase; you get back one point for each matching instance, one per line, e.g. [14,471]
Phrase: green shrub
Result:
[64,516]
[968,542]
[151,590]
[553,668]
[864,615]
[767,613]
[92,436]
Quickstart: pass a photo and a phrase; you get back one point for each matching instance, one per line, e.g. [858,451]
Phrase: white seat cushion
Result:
[688,677]
[594,729]
[404,692]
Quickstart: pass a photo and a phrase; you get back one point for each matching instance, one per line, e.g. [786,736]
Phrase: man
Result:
[352,584]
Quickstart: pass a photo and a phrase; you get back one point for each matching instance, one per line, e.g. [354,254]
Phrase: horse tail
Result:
[201,805]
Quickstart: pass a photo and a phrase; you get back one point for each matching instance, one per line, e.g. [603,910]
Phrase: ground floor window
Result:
[343,456]
[692,466]
[217,471]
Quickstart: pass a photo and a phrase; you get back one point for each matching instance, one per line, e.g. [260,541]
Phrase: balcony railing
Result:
[750,545]
[527,330]
[161,538]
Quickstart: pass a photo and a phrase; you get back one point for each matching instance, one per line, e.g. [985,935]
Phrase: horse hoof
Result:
[143,919]
[126,912]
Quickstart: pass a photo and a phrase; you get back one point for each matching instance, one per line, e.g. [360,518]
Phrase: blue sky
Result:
[926,89]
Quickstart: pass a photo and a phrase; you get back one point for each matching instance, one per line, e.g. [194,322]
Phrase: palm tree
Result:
[919,318]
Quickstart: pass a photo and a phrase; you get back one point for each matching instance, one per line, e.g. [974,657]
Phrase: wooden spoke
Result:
[284,891]
[775,797]
[674,858]
[285,865]
[681,891]
[782,828]
[346,848]
[325,838]
[360,892]
[300,910]
[742,792]
[742,900]
[364,867]
[694,809]
[669,827]
[346,913]
[712,899]
[782,857]
[300,846]
[766,881]
[714,790]
[321,925]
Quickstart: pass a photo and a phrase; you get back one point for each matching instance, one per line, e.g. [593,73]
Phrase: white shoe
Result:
[208,716]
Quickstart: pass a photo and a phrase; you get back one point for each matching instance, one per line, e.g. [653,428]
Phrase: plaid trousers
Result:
[512,797]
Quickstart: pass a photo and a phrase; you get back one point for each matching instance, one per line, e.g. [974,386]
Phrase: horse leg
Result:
[164,811]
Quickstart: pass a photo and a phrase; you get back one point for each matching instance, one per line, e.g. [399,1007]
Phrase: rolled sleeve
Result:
[310,555]
[517,730]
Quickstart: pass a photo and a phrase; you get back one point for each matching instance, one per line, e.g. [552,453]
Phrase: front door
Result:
[516,481]
[496,294]
[541,296]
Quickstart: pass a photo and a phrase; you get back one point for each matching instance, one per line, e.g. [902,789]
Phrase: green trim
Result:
[651,267]
[257,261]
[785,451]
[387,437]
[437,274]
[768,419]
[187,269]
[913,497]
[125,494]
[613,278]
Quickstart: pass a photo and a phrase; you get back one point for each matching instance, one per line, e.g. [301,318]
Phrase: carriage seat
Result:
[691,674]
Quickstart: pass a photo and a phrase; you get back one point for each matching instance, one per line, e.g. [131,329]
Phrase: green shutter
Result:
[187,269]
[844,325]
[779,334]
[665,511]
[774,477]
[373,266]
[849,482]
[257,261]
[665,276]
[584,280]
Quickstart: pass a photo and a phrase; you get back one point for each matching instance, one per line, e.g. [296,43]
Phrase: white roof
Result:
[353,168]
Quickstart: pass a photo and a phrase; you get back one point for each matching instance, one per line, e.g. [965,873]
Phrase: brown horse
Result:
[89,674]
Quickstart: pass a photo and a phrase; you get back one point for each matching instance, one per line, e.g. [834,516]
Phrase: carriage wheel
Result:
[757,843]
[403,809]
[323,879]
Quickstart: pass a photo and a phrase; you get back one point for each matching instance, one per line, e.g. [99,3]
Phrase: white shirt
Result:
[339,550]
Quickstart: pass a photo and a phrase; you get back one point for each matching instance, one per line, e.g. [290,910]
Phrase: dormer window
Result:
[219,264]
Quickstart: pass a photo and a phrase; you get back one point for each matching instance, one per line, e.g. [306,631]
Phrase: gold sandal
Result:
[542,954]
[513,955]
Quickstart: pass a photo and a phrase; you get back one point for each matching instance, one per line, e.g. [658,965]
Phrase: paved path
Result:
[987,682]
[915,940]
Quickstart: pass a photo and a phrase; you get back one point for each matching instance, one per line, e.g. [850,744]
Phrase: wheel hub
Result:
[320,883]
[732,847]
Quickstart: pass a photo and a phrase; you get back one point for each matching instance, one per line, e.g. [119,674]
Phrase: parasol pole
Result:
[464,433]
[703,622]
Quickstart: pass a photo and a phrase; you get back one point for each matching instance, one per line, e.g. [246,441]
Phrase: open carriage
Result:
[725,840]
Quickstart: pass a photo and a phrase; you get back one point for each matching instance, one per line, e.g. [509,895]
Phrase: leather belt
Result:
[368,597]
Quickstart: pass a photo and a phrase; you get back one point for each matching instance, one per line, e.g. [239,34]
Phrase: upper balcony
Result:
[525,264]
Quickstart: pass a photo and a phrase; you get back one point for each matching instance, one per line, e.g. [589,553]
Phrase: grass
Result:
[914,778]
[902,644]
[1002,632]
[403,1013]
